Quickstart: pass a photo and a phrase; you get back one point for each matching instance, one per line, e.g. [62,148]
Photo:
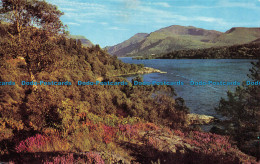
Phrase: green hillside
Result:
[176,37]
[237,35]
[167,39]
[127,46]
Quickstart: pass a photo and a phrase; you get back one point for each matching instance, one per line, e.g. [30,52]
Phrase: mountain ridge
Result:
[178,37]
[128,45]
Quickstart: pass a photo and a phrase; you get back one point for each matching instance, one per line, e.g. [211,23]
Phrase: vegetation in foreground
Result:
[243,109]
[87,124]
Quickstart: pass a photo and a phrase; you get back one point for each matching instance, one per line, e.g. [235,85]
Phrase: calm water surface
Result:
[200,99]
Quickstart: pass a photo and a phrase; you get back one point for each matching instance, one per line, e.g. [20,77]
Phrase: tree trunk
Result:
[27,60]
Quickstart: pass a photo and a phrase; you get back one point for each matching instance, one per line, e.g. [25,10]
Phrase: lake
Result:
[201,99]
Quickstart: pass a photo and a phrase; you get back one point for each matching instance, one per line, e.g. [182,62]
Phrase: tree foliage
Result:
[37,13]
[243,108]
[244,51]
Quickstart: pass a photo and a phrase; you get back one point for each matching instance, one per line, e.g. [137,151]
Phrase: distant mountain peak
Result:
[187,30]
[141,34]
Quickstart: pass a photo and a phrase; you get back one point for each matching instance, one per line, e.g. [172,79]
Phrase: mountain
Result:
[238,35]
[177,37]
[85,42]
[128,45]
[166,39]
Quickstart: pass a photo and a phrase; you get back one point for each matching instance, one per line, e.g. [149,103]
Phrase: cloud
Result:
[208,19]
[248,4]
[67,9]
[73,24]
[155,14]
[162,4]
[117,29]
[131,4]
[79,9]
[103,23]
[224,4]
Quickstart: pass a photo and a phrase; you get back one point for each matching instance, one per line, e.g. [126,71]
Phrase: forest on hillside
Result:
[244,51]
[87,124]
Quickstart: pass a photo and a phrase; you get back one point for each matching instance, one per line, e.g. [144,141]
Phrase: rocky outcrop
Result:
[183,147]
[146,70]
[200,119]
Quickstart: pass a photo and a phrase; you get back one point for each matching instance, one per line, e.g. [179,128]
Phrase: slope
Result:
[177,37]
[85,42]
[127,46]
[168,39]
[237,35]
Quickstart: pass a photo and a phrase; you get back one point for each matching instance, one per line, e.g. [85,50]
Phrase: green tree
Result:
[37,13]
[34,23]
[243,109]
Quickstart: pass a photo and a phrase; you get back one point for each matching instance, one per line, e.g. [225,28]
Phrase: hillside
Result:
[176,37]
[242,51]
[129,45]
[90,123]
[47,111]
[237,35]
[85,42]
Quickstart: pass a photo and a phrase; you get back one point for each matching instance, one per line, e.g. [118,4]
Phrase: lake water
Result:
[200,99]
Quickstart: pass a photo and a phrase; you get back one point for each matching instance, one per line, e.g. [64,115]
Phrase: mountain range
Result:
[177,37]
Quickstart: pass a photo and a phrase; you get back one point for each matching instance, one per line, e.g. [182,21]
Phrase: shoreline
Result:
[145,70]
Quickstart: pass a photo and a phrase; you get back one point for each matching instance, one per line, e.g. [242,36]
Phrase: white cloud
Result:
[158,15]
[117,29]
[208,19]
[80,20]
[103,23]
[225,4]
[162,4]
[79,9]
[248,4]
[67,9]
[73,24]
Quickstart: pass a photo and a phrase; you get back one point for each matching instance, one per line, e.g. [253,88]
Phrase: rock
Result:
[200,119]
[149,70]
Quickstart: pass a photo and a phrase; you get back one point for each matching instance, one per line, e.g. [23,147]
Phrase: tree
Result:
[37,13]
[35,23]
[243,109]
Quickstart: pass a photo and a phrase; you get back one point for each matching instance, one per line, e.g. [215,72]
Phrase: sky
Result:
[109,22]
